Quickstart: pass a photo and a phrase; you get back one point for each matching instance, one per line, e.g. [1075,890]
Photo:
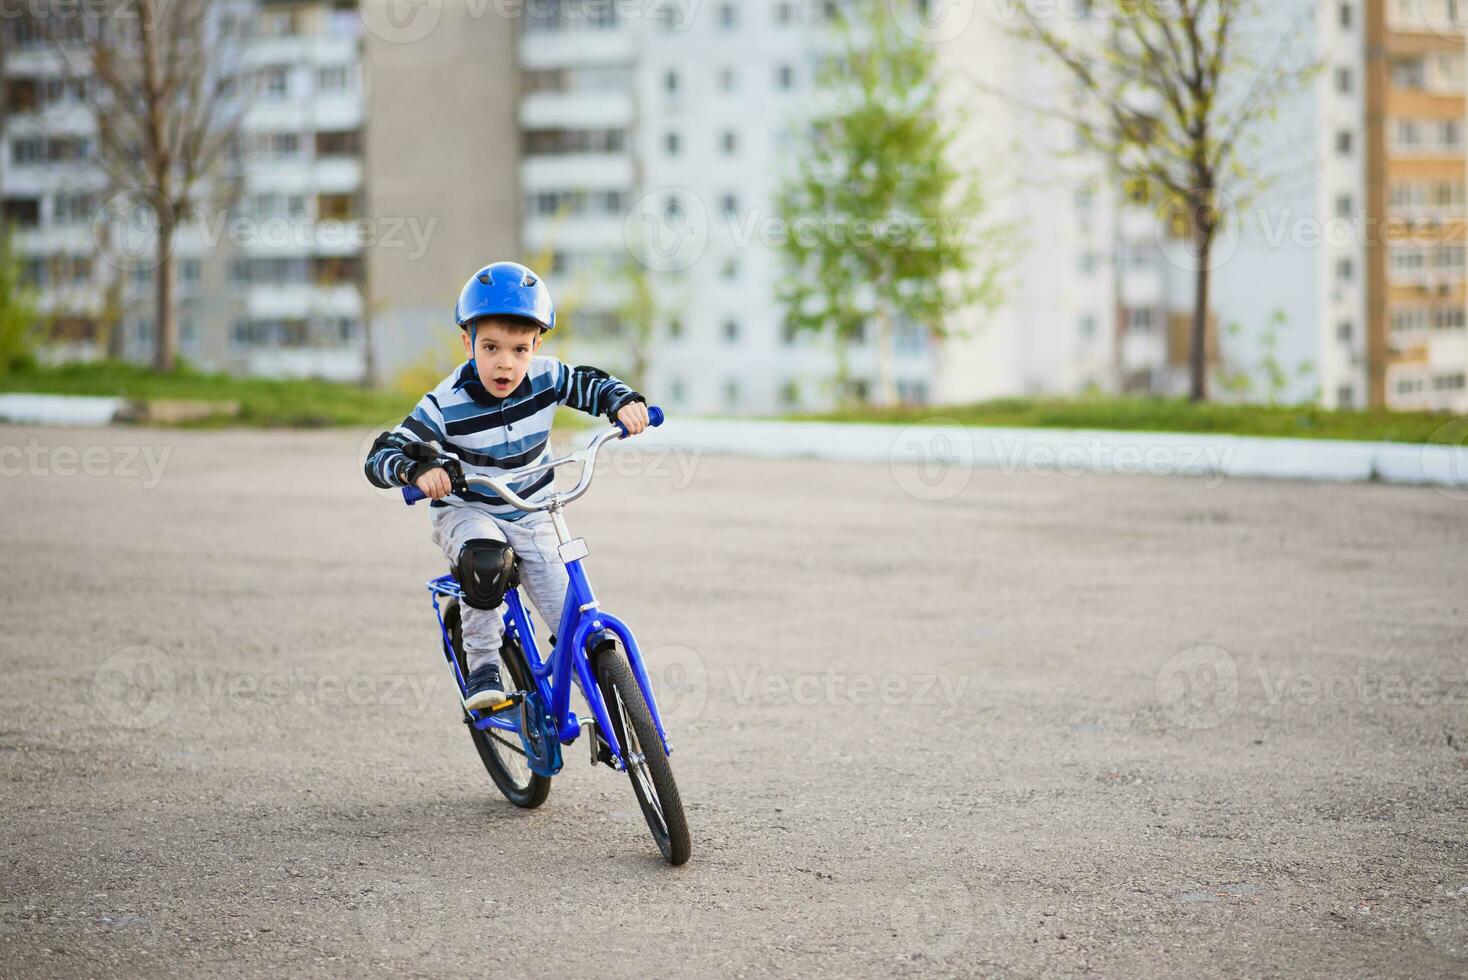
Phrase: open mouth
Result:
[500,382]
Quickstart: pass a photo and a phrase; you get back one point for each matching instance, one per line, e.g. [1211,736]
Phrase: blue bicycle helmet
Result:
[505,289]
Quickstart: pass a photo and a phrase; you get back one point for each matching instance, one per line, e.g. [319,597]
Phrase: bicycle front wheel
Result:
[642,752]
[500,751]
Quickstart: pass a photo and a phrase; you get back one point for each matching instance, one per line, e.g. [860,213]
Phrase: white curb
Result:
[58,409]
[1068,451]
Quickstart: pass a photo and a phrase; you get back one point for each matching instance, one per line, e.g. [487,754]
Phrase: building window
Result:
[1449,382]
[728,81]
[730,269]
[670,144]
[728,16]
[334,78]
[730,204]
[675,390]
[1449,318]
[731,395]
[1344,16]
[25,212]
[1344,270]
[729,142]
[1088,263]
[556,142]
[1343,143]
[1088,327]
[912,392]
[1343,331]
[784,13]
[1409,73]
[670,82]
[27,151]
[73,208]
[675,328]
[1343,80]
[274,81]
[346,143]
[1344,206]
[731,330]
[784,78]
[789,394]
[1345,397]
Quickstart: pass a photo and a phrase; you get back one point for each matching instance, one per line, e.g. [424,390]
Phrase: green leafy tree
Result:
[18,320]
[881,224]
[1171,98]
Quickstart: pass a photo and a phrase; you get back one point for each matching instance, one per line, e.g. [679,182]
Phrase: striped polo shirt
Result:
[496,435]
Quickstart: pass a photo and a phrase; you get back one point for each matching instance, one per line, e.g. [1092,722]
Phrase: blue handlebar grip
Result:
[411,495]
[654,417]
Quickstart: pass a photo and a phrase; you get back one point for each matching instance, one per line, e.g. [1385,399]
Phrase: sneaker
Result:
[482,688]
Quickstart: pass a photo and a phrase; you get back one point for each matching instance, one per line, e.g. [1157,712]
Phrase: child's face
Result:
[502,354]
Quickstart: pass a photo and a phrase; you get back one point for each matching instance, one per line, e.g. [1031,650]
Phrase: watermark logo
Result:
[1445,459]
[680,682]
[932,459]
[667,230]
[1187,218]
[136,687]
[128,226]
[931,918]
[401,21]
[1198,688]
[932,21]
[1446,923]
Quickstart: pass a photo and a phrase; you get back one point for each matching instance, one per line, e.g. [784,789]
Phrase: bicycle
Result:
[519,740]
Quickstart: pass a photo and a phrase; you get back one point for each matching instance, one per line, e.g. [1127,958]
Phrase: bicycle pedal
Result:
[500,707]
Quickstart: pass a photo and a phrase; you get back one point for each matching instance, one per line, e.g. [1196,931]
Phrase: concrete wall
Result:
[442,149]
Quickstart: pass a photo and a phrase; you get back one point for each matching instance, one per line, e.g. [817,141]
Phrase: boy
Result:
[494,413]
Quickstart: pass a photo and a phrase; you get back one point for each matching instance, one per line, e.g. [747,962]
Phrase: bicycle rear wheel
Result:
[500,751]
[642,752]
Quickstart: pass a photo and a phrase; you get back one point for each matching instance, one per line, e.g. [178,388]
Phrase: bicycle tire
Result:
[498,749]
[652,774]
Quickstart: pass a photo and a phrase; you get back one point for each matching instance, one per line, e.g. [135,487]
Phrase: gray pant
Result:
[542,574]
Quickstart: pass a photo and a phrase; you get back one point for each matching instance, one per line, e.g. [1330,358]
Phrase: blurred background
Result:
[747,207]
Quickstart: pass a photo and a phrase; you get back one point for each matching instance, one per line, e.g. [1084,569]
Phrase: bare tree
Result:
[168,90]
[1170,98]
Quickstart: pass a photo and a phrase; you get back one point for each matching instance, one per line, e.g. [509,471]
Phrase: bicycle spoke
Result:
[633,759]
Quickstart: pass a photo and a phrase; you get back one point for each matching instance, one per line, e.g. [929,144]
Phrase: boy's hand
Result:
[634,416]
[435,484]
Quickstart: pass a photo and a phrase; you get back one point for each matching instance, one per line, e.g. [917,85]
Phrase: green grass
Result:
[1173,415]
[262,403]
[300,404]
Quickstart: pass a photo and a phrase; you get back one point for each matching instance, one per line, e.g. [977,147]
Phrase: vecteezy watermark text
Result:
[833,687]
[124,462]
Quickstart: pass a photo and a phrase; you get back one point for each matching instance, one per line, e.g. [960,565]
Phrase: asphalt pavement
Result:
[956,724]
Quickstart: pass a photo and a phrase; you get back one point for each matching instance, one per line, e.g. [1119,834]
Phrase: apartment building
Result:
[1416,85]
[270,278]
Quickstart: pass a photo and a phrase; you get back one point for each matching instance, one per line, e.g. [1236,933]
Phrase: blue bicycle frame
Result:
[582,628]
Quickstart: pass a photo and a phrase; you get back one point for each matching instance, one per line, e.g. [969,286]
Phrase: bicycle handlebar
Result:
[587,457]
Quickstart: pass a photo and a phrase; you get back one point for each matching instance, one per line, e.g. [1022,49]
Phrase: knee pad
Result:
[485,570]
